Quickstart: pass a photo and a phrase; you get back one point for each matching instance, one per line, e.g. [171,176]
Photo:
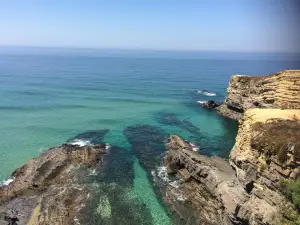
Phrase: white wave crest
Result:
[175,183]
[107,146]
[7,181]
[207,93]
[202,102]
[80,142]
[162,173]
[195,148]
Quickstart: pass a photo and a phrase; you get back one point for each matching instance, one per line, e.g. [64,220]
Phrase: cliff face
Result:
[47,190]
[248,191]
[279,90]
[265,155]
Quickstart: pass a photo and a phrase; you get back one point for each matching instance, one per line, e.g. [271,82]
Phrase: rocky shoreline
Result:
[246,189]
[47,190]
[249,189]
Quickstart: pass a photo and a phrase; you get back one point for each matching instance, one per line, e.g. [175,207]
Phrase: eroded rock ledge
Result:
[209,186]
[280,90]
[47,190]
[246,191]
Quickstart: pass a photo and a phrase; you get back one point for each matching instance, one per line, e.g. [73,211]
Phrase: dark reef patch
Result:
[147,143]
[93,136]
[110,186]
[172,120]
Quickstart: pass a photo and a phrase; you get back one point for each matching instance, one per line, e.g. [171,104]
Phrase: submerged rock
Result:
[147,143]
[46,190]
[280,90]
[171,119]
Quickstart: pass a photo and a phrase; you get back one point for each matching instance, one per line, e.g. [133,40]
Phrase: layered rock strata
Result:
[209,189]
[262,173]
[47,190]
[280,90]
[248,191]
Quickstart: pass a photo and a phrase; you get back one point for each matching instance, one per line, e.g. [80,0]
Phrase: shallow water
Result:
[129,101]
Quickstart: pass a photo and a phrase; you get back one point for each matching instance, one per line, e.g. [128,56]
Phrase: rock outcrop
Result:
[210,104]
[48,189]
[210,192]
[248,190]
[280,90]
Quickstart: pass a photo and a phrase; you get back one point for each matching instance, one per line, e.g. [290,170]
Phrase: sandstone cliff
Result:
[279,90]
[250,191]
[267,154]
[47,190]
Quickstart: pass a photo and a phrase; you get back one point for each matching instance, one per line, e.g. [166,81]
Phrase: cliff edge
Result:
[280,90]
[252,187]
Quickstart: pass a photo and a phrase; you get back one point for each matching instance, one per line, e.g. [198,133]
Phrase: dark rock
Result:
[210,104]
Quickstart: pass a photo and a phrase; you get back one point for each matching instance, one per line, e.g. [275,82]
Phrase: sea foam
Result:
[7,181]
[207,93]
[80,142]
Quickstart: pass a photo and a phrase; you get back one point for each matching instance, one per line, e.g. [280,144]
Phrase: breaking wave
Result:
[80,142]
[7,181]
[206,92]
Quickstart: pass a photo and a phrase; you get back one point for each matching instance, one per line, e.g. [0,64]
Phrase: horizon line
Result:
[142,49]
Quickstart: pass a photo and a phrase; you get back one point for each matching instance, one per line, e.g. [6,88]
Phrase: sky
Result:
[182,25]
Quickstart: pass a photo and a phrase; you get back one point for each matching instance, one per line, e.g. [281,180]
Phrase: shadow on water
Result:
[172,120]
[93,136]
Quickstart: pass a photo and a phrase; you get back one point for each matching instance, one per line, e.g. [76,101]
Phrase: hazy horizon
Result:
[205,26]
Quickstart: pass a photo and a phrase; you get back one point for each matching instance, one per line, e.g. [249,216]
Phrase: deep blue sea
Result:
[125,98]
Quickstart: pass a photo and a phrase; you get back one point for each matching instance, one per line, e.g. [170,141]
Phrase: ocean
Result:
[49,97]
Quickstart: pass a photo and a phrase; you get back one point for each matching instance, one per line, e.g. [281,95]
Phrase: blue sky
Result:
[197,25]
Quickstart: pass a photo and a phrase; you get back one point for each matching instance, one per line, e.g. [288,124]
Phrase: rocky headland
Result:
[280,90]
[260,183]
[249,189]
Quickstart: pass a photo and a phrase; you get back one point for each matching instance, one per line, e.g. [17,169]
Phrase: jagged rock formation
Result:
[279,90]
[47,189]
[248,192]
[211,192]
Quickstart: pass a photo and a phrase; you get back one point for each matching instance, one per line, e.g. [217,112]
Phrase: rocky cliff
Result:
[280,90]
[250,190]
[209,191]
[48,189]
[265,156]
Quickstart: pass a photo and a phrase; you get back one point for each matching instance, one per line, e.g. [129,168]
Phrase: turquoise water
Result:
[46,99]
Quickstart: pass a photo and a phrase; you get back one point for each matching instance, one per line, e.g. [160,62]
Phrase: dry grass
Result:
[272,138]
